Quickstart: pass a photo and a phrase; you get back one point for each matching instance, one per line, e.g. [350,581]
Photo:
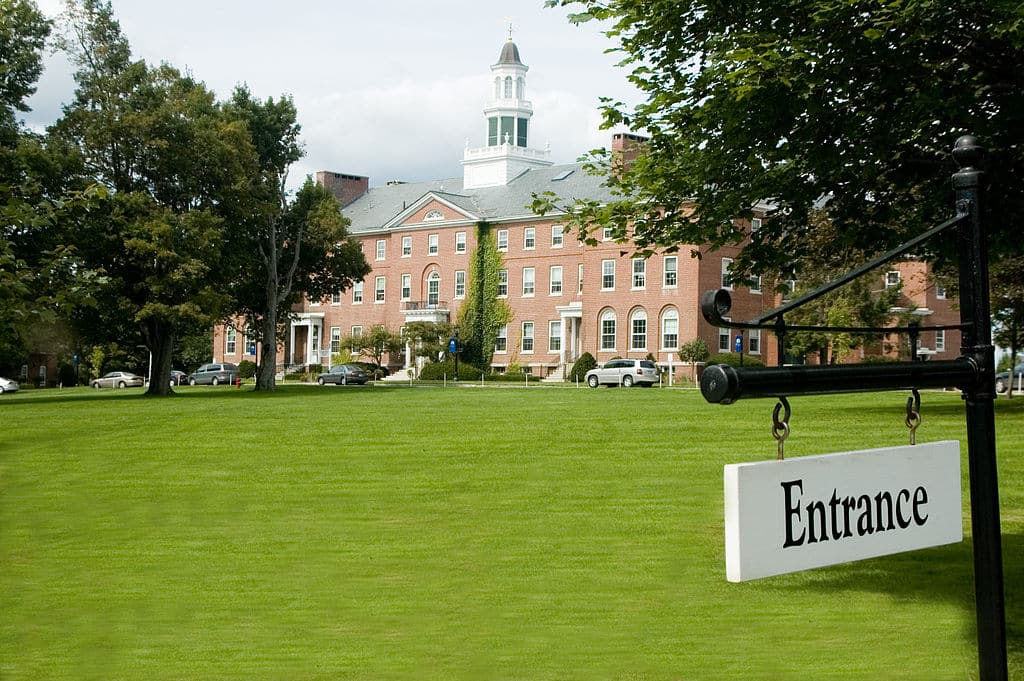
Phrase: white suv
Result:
[624,372]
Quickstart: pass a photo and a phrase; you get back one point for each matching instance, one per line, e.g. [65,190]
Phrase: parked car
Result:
[8,386]
[1003,379]
[624,372]
[214,374]
[178,377]
[343,374]
[118,379]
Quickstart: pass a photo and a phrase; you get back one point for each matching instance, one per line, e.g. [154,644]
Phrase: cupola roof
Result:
[509,54]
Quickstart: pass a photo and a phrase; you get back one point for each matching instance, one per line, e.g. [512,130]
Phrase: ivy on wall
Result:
[483,312]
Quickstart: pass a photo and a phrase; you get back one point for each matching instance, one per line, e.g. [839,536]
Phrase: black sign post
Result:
[973,373]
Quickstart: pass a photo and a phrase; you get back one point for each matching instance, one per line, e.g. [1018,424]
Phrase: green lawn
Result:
[471,533]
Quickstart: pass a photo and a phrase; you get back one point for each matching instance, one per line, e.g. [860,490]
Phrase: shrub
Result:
[585,363]
[246,369]
[733,359]
[436,371]
[374,370]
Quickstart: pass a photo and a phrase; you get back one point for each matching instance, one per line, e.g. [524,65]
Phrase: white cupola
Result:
[508,114]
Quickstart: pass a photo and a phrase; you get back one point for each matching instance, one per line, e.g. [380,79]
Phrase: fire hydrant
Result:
[238,382]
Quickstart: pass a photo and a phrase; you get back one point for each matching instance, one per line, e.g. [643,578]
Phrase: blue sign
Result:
[74,360]
[739,343]
[453,345]
[252,348]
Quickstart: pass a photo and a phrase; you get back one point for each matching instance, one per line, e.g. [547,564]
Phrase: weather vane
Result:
[510,29]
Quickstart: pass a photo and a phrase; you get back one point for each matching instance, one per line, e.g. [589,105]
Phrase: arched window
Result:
[434,289]
[670,329]
[434,215]
[608,330]
[520,88]
[638,330]
[508,87]
[497,87]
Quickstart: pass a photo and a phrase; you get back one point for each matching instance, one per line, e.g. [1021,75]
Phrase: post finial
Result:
[510,29]
[968,151]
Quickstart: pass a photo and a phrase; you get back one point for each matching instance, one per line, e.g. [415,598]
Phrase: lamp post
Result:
[456,351]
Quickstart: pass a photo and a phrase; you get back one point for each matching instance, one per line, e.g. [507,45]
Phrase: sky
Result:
[389,89]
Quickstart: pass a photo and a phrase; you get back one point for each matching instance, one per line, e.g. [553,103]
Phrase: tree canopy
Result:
[793,104]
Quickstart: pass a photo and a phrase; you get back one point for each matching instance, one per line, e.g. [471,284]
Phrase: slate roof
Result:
[379,205]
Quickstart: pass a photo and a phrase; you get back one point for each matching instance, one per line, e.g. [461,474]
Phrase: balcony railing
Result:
[414,305]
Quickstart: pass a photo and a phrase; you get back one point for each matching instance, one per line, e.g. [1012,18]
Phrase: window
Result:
[230,336]
[381,248]
[607,275]
[460,242]
[755,283]
[529,238]
[357,331]
[508,87]
[528,281]
[336,298]
[434,289]
[502,239]
[460,284]
[754,341]
[940,292]
[724,344]
[406,286]
[406,246]
[501,342]
[527,336]
[556,236]
[940,340]
[555,336]
[579,279]
[670,330]
[378,290]
[726,279]
[556,280]
[520,86]
[671,272]
[755,225]
[434,215]
[357,292]
[638,331]
[431,244]
[502,283]
[639,273]
[892,278]
[335,339]
[606,234]
[789,290]
[608,330]
[315,303]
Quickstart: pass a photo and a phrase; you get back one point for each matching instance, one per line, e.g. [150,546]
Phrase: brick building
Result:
[566,298]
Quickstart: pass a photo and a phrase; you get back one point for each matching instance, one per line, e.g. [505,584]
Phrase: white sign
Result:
[812,511]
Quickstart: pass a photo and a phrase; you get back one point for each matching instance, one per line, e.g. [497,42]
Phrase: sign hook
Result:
[913,419]
[780,429]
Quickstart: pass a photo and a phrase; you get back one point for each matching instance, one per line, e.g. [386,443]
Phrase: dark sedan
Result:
[343,374]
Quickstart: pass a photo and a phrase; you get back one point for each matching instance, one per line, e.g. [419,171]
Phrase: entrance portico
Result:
[572,327]
[307,330]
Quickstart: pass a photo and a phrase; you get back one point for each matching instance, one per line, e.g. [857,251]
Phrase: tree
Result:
[429,339]
[796,101]
[694,352]
[23,34]
[172,162]
[280,250]
[374,345]
[1008,308]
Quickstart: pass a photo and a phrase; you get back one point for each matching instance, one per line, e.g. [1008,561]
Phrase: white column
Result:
[291,347]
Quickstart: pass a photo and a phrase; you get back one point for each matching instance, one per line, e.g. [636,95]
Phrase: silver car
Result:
[8,386]
[118,379]
[624,372]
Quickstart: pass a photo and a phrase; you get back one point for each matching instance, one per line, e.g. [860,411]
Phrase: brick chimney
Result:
[625,147]
[346,188]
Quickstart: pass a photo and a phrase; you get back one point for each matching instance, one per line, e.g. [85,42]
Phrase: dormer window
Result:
[434,215]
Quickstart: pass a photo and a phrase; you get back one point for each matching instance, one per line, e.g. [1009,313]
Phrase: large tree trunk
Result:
[266,375]
[159,336]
